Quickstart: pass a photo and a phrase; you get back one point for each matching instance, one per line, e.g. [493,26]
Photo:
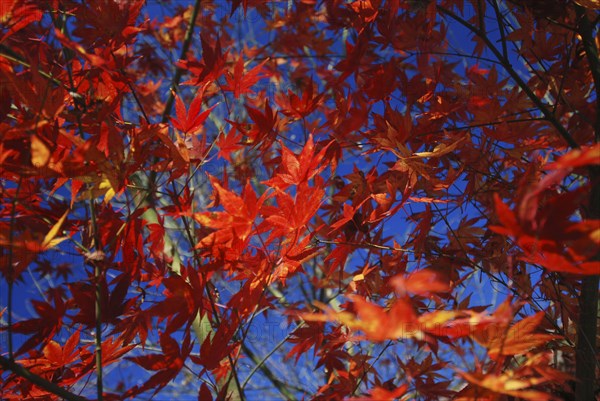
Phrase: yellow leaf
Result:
[358,277]
[40,153]
[49,240]
[378,323]
[591,4]
[110,191]
[435,320]
[440,149]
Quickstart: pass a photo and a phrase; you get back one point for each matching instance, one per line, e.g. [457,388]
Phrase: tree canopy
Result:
[316,200]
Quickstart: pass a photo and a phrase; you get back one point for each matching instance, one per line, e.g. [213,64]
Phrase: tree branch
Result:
[187,41]
[586,350]
[10,55]
[515,76]
[39,381]
[586,31]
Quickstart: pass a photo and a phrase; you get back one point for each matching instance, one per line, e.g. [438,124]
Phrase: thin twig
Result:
[515,76]
[371,363]
[282,387]
[10,55]
[264,359]
[364,245]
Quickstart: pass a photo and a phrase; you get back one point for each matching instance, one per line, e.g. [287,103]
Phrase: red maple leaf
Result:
[229,143]
[211,66]
[295,170]
[239,82]
[295,106]
[236,221]
[167,365]
[190,121]
[263,134]
[46,326]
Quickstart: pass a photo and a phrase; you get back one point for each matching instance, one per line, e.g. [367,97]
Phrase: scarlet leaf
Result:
[239,82]
[577,158]
[301,107]
[236,222]
[229,143]
[167,365]
[190,121]
[298,169]
[377,323]
[421,282]
[204,393]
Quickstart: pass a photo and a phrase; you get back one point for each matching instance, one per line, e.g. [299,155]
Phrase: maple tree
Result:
[319,200]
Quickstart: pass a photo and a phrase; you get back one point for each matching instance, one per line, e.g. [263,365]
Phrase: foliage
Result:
[311,200]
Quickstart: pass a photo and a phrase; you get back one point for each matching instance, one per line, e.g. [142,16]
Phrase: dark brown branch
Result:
[515,76]
[586,350]
[39,381]
[187,41]
[501,28]
[591,51]
[68,55]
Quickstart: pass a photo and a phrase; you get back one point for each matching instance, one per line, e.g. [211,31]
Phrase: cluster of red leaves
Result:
[543,224]
[380,180]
